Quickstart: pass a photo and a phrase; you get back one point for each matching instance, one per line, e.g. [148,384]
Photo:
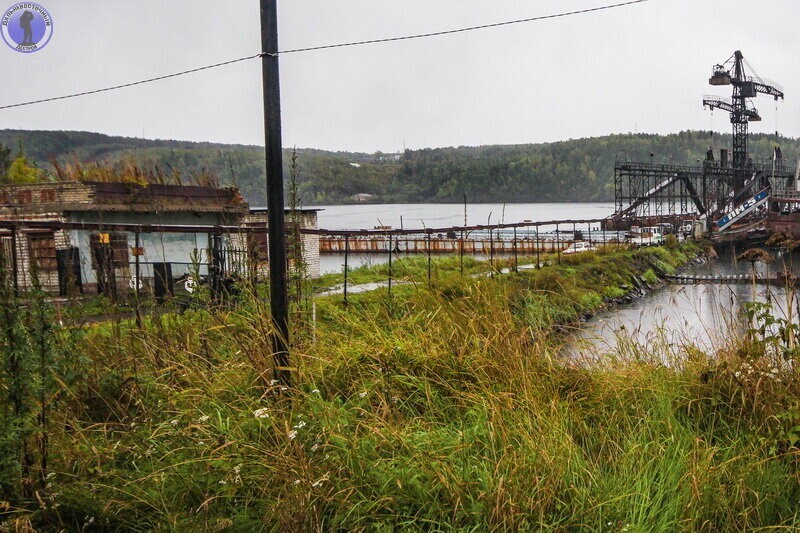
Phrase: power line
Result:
[131,84]
[459,30]
[325,47]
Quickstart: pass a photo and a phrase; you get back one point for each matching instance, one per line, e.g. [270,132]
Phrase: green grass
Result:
[448,409]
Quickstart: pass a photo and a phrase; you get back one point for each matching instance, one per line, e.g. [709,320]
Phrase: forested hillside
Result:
[574,170]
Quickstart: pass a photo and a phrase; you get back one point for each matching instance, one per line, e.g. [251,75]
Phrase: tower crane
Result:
[745,85]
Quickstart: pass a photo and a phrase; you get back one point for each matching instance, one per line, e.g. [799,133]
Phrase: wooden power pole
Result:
[279,300]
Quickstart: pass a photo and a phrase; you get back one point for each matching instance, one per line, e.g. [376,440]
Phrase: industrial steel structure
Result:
[728,194]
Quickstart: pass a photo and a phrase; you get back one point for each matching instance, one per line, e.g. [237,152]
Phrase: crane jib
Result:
[743,209]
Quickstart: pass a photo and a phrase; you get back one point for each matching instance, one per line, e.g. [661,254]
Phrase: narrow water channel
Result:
[671,318]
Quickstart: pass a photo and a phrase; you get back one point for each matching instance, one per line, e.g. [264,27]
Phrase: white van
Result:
[579,246]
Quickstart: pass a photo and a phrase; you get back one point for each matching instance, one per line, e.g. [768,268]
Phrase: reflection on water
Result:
[667,321]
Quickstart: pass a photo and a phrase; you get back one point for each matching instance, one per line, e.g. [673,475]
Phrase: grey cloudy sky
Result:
[638,68]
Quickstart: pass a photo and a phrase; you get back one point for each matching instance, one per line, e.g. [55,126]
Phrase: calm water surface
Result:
[668,320]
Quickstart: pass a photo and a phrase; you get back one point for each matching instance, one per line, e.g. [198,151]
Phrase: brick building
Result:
[93,234]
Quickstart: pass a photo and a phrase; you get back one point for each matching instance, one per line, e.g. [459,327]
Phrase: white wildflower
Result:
[362,394]
[223,482]
[315,391]
[174,422]
[261,413]
[300,425]
[203,418]
[296,481]
[292,434]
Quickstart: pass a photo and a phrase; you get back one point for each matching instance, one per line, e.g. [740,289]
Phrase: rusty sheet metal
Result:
[380,244]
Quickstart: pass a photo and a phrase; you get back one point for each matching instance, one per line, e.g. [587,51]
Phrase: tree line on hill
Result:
[579,170]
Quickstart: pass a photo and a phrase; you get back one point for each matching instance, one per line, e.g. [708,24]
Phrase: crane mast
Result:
[732,72]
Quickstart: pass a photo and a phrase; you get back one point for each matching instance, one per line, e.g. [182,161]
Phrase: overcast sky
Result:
[641,68]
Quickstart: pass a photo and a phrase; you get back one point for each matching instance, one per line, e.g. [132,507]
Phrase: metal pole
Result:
[138,282]
[558,247]
[14,261]
[390,273]
[491,246]
[491,252]
[461,253]
[213,267]
[516,266]
[429,258]
[538,250]
[346,253]
[279,298]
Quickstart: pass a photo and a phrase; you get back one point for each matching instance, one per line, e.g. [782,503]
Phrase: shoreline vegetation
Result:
[438,406]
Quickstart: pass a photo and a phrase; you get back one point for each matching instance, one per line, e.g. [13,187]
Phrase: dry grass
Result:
[450,410]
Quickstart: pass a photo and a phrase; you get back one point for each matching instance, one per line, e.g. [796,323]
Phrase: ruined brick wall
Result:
[36,198]
[48,279]
[311,244]
[308,219]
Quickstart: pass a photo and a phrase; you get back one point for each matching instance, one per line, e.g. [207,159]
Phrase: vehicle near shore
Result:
[579,246]
[645,236]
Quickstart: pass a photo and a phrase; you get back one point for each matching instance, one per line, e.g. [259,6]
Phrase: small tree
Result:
[20,170]
[299,268]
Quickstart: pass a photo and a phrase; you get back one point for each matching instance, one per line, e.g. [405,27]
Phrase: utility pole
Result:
[279,301]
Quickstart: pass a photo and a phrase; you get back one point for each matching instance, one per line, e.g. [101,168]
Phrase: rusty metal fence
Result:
[114,258]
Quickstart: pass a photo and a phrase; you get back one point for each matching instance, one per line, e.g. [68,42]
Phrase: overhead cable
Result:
[131,84]
[459,30]
[322,47]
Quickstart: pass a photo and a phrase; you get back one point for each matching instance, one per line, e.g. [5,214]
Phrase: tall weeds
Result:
[455,411]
